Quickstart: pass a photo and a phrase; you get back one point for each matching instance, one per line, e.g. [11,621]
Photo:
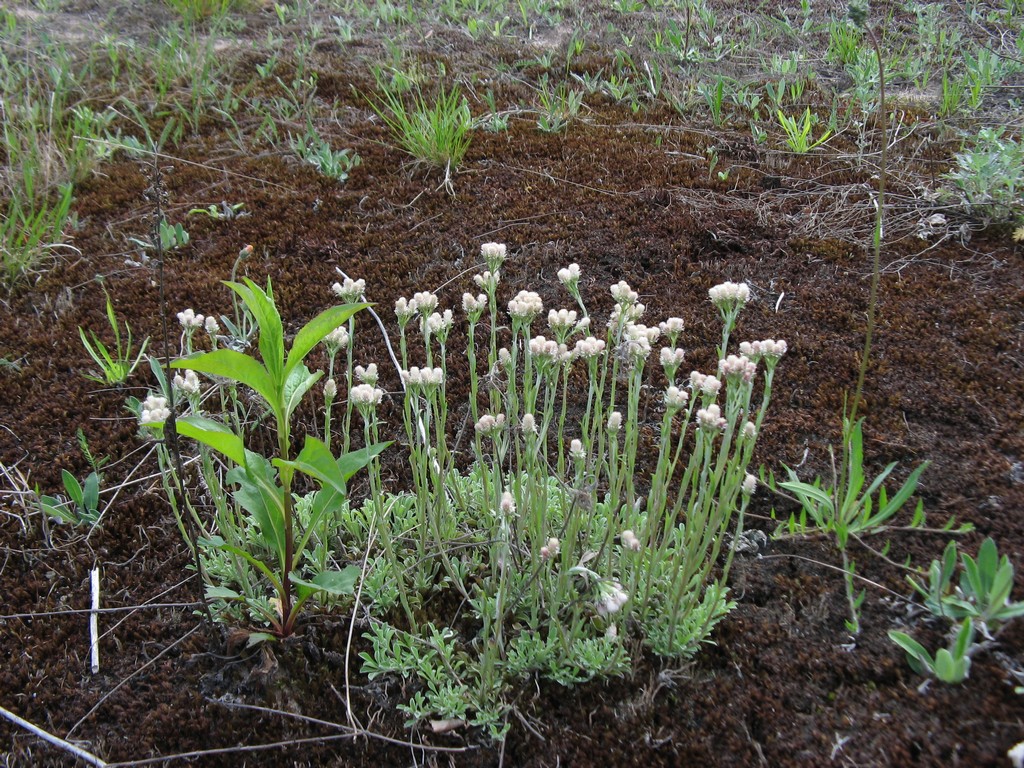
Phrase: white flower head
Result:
[490,425]
[728,295]
[154,411]
[426,302]
[211,325]
[561,320]
[589,348]
[611,597]
[570,276]
[623,314]
[708,386]
[189,320]
[405,310]
[676,398]
[737,368]
[614,421]
[438,324]
[365,396]
[576,452]
[623,294]
[474,305]
[629,540]
[337,339]
[426,378]
[525,306]
[551,549]
[769,350]
[494,254]
[350,291]
[710,418]
[529,424]
[367,375]
[508,503]
[187,383]
[672,327]
[330,389]
[488,280]
[749,485]
[544,349]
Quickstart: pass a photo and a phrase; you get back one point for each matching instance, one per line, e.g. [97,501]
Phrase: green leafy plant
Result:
[798,132]
[950,665]
[982,593]
[989,174]
[264,486]
[558,105]
[81,507]
[116,364]
[223,212]
[848,509]
[28,230]
[315,150]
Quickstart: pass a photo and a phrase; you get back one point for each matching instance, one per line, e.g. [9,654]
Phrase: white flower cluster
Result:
[710,418]
[337,339]
[424,302]
[528,424]
[637,341]
[589,348]
[546,349]
[569,276]
[490,425]
[611,597]
[623,314]
[629,540]
[576,452]
[676,398]
[672,357]
[405,310]
[154,411]
[474,305]
[212,326]
[737,367]
[330,389]
[508,503]
[623,294]
[365,396]
[189,320]
[494,254]
[438,324]
[487,280]
[189,383]
[426,378]
[551,548]
[768,349]
[614,421]
[525,306]
[563,320]
[350,291]
[708,386]
[730,294]
[749,430]
[367,375]
[749,485]
[672,328]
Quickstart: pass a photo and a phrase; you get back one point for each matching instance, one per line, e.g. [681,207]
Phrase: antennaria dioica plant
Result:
[555,543]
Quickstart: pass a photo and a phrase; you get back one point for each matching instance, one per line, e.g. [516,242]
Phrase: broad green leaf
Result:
[236,366]
[341,582]
[807,491]
[214,434]
[259,494]
[261,304]
[317,461]
[313,332]
[91,492]
[73,487]
[296,386]
[255,638]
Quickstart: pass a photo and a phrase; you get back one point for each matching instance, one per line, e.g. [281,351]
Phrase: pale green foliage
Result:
[989,174]
[116,364]
[437,132]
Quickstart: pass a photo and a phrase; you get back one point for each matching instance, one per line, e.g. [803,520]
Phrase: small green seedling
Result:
[115,365]
[82,504]
[950,665]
